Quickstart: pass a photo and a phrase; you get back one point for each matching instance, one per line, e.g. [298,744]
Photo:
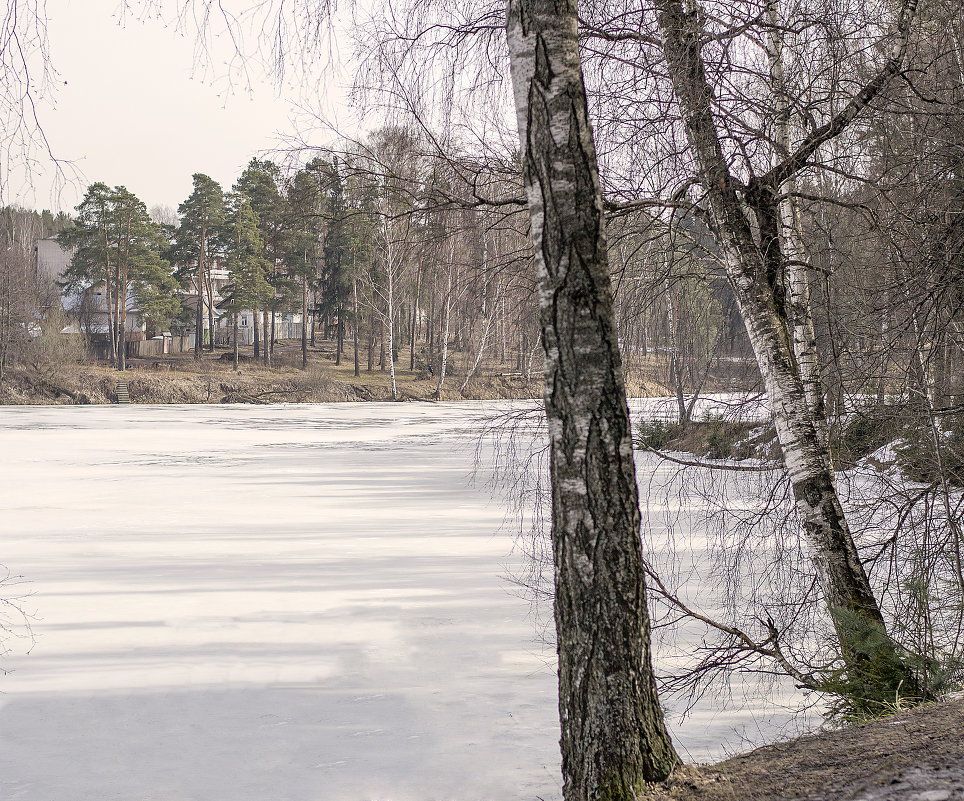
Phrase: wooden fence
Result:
[158,347]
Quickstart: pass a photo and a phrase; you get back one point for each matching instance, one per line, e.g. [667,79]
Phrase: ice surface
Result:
[301,603]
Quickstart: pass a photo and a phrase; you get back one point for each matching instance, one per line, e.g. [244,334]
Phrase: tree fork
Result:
[852,605]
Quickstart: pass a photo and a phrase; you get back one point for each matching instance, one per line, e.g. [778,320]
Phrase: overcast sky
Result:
[137,110]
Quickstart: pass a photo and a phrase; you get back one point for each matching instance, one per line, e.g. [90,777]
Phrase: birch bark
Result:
[794,251]
[870,655]
[443,365]
[354,320]
[613,737]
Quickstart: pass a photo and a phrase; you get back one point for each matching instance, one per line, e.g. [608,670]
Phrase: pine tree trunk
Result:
[266,332]
[122,322]
[255,313]
[234,338]
[199,315]
[613,737]
[304,322]
[109,278]
[115,311]
[210,291]
[122,309]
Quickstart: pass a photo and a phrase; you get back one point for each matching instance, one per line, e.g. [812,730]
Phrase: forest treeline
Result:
[395,242]
[384,247]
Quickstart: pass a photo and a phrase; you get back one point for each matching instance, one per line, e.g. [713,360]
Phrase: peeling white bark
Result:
[755,273]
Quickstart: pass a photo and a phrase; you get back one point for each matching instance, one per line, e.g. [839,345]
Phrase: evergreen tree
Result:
[117,242]
[244,248]
[339,276]
[202,214]
[305,230]
[259,182]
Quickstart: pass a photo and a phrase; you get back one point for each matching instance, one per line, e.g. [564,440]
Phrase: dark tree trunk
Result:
[234,339]
[304,322]
[381,349]
[614,740]
[314,314]
[266,332]
[122,321]
[414,327]
[210,293]
[257,333]
[199,317]
[354,322]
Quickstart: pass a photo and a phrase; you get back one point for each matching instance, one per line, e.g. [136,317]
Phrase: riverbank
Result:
[179,378]
[917,755]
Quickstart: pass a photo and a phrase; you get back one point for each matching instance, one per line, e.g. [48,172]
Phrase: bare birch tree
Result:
[753,260]
[613,737]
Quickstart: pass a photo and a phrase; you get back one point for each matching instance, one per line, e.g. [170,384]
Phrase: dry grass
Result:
[179,378]
[908,757]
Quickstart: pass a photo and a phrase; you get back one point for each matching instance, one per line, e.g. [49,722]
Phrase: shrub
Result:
[865,431]
[656,434]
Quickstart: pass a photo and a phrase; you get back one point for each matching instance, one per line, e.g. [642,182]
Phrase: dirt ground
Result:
[914,756]
[180,378]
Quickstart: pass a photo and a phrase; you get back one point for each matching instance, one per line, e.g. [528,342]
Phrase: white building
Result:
[88,306]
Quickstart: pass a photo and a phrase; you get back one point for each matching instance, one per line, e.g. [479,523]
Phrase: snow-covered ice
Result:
[284,603]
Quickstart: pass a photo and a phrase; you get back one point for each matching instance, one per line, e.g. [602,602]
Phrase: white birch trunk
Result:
[445,324]
[794,251]
[675,362]
[851,602]
[390,322]
[489,312]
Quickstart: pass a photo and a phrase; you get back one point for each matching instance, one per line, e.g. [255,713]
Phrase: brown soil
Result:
[913,756]
[180,378]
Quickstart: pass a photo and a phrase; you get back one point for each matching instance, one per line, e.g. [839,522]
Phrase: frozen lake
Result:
[283,603]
